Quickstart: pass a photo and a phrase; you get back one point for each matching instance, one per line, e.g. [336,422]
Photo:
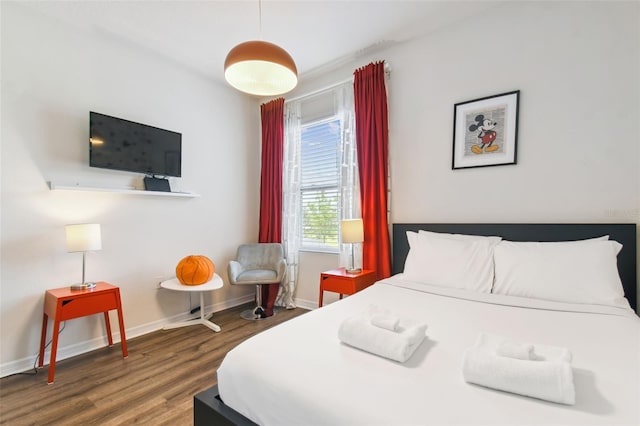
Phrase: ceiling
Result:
[319,34]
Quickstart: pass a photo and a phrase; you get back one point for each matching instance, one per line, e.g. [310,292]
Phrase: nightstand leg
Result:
[123,338]
[54,349]
[43,340]
[320,297]
[107,323]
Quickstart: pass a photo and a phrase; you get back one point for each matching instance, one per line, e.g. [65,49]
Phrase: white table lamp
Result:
[83,237]
[352,233]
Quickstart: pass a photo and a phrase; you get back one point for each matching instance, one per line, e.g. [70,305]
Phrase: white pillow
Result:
[574,271]
[451,262]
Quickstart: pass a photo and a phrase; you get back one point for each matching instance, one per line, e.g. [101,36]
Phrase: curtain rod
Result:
[320,90]
[387,72]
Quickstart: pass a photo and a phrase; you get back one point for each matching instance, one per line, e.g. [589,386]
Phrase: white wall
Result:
[52,76]
[576,65]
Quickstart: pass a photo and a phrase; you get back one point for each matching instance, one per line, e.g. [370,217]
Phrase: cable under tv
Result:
[152,183]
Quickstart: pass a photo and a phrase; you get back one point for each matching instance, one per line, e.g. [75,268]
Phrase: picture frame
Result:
[485,131]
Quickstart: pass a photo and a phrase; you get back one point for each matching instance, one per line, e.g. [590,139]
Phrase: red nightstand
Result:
[343,282]
[63,304]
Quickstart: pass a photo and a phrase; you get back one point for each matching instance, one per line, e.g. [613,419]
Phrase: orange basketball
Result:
[195,270]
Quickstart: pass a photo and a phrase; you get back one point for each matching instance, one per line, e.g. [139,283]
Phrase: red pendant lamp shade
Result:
[260,68]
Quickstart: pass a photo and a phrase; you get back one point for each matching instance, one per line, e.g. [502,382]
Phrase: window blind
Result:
[320,183]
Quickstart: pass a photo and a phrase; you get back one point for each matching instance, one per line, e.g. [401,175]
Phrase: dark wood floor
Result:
[155,385]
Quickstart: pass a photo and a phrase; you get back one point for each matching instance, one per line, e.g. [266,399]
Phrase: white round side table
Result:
[215,283]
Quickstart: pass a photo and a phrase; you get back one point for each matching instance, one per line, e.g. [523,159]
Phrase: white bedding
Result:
[298,373]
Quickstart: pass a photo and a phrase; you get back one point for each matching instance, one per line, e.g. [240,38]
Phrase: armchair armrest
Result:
[281,269]
[233,270]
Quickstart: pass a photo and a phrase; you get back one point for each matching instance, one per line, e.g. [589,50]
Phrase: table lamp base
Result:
[83,286]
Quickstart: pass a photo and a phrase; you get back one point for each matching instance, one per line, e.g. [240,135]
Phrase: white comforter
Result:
[299,373]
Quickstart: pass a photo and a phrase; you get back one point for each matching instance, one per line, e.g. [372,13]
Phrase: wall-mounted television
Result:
[118,144]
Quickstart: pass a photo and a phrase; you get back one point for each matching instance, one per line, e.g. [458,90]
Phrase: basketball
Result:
[195,270]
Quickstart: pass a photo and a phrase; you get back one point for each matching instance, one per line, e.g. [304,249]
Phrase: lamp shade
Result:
[260,68]
[352,231]
[83,237]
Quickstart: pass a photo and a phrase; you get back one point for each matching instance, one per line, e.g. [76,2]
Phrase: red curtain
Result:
[272,118]
[372,139]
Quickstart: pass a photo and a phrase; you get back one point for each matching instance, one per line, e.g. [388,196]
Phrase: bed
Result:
[299,373]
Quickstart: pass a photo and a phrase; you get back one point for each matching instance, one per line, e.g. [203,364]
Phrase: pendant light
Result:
[260,68]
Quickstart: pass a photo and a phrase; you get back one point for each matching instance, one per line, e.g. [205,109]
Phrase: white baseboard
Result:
[306,304]
[79,348]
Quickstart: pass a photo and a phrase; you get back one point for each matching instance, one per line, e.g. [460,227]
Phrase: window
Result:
[320,184]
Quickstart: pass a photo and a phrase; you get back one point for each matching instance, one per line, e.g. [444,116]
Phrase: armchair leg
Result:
[258,312]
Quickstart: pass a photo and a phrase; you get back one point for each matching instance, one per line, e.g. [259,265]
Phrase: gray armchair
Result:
[257,264]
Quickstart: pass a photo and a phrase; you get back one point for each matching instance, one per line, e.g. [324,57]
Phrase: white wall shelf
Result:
[55,186]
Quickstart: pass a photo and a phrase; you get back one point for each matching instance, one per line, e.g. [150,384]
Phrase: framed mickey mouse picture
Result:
[485,131]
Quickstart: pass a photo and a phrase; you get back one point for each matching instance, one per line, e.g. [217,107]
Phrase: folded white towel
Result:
[551,380]
[516,350]
[498,344]
[388,322]
[399,346]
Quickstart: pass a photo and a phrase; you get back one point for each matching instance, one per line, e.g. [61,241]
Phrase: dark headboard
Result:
[624,233]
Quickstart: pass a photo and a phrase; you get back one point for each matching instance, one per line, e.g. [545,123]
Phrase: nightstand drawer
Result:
[83,306]
[338,285]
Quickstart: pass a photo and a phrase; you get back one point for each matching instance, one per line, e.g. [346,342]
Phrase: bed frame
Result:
[208,408]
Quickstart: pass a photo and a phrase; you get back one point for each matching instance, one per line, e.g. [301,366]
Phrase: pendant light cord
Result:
[260,17]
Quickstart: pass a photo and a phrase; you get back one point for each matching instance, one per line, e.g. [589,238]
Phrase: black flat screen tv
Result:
[120,144]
